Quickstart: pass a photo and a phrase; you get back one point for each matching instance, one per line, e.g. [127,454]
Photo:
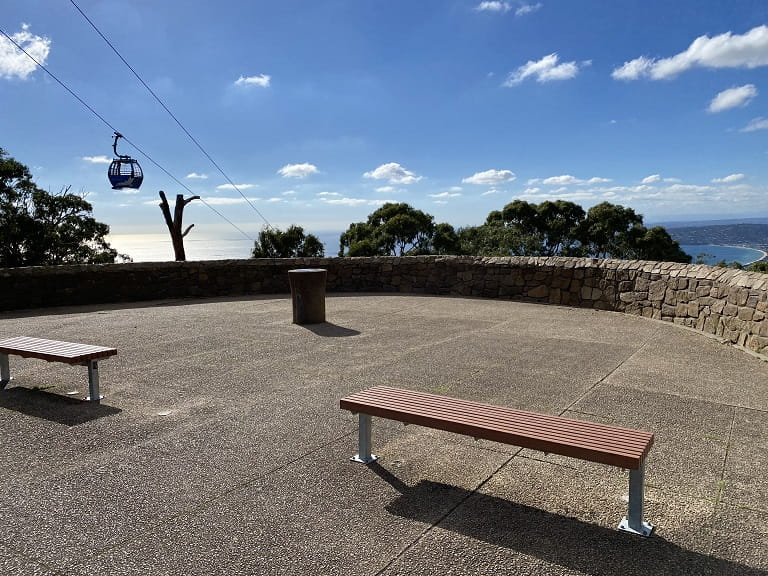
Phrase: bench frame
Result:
[633,522]
[55,351]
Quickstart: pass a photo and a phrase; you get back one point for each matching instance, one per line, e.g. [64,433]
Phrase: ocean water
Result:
[159,248]
[715,253]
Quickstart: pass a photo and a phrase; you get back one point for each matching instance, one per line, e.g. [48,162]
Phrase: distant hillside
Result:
[751,235]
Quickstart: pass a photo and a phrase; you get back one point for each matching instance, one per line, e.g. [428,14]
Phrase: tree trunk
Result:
[174,223]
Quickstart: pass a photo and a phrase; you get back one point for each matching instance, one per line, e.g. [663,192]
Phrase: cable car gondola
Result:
[124,172]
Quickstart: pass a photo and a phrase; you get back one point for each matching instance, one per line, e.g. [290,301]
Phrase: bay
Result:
[714,253]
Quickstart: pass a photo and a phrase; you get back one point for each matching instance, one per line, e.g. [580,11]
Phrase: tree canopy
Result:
[551,228]
[291,243]
[397,229]
[38,228]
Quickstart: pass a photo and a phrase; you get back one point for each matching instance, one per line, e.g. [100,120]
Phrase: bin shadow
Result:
[329,330]
[560,540]
[53,407]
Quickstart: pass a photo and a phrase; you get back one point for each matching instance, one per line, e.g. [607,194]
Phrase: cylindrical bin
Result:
[308,295]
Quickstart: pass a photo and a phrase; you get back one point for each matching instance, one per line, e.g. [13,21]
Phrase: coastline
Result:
[763,253]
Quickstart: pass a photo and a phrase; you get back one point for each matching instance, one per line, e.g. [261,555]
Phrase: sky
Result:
[316,113]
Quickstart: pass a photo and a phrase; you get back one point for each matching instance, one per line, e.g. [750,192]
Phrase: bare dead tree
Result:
[174,224]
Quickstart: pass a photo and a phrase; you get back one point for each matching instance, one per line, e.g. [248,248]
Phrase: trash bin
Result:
[308,295]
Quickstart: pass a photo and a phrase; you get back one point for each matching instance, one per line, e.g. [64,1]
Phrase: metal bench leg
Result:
[364,441]
[93,381]
[5,371]
[633,521]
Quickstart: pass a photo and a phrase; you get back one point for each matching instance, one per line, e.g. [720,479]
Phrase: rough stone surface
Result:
[729,303]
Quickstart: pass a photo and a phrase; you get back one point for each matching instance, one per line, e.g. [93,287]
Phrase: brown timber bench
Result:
[55,351]
[612,445]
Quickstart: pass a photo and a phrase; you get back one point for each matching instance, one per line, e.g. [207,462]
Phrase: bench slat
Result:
[54,350]
[500,418]
[613,445]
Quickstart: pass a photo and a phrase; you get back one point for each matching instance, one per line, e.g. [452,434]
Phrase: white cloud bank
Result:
[528,9]
[732,98]
[490,177]
[13,62]
[234,186]
[98,159]
[493,6]
[729,179]
[749,50]
[196,176]
[393,173]
[262,80]
[756,124]
[548,69]
[297,170]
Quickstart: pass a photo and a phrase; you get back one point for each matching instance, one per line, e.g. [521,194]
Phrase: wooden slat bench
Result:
[55,351]
[612,445]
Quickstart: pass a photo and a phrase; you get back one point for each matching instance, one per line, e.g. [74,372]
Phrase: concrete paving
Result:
[220,448]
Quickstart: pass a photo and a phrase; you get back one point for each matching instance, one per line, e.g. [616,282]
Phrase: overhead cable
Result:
[171,114]
[107,123]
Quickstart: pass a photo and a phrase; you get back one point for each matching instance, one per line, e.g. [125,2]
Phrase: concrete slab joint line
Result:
[222,448]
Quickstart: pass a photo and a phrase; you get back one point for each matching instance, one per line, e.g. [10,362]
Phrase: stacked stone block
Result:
[728,303]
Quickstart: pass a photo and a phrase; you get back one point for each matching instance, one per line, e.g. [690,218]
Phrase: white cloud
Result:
[354,201]
[564,180]
[633,69]
[490,192]
[196,176]
[273,200]
[728,179]
[490,177]
[545,70]
[262,80]
[98,159]
[732,98]
[227,201]
[297,170]
[13,62]
[493,6]
[528,8]
[388,190]
[289,193]
[597,180]
[651,179]
[755,124]
[531,191]
[235,186]
[727,50]
[394,173]
[455,189]
[688,188]
[445,195]
[328,194]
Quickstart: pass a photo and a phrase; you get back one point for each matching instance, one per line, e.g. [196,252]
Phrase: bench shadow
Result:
[53,407]
[560,540]
[329,330]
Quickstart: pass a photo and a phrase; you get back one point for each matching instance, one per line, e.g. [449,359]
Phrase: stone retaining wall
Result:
[725,302]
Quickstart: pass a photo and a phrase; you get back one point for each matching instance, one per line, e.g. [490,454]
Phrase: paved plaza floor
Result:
[220,448]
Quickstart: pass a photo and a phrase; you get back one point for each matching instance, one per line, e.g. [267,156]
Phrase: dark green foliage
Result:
[562,228]
[38,228]
[656,244]
[761,266]
[293,243]
[398,230]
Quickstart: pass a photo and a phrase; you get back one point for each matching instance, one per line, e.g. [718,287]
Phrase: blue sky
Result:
[321,111]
